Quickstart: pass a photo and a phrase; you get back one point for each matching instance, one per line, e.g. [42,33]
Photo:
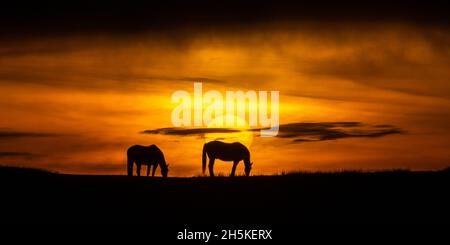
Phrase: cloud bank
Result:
[18,134]
[298,132]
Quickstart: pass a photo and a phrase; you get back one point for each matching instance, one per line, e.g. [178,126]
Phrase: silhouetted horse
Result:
[146,155]
[227,152]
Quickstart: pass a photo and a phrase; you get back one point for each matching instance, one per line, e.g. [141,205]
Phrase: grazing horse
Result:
[226,152]
[146,155]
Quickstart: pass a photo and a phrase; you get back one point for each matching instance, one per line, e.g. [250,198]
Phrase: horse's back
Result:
[135,149]
[226,151]
[154,148]
[144,152]
[223,145]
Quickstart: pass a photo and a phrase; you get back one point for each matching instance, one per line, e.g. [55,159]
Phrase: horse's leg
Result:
[233,170]
[138,169]
[130,164]
[148,169]
[154,169]
[211,167]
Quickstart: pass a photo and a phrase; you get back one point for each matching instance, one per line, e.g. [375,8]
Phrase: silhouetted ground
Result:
[396,197]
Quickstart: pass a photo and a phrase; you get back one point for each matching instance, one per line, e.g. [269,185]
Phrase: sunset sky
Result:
[360,88]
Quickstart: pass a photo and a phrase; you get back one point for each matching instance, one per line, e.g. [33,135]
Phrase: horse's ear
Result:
[251,163]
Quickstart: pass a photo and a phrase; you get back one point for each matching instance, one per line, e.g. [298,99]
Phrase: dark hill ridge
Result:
[393,196]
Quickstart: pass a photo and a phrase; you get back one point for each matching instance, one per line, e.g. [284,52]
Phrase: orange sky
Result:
[75,103]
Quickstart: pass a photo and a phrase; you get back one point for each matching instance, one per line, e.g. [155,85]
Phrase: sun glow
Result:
[237,103]
[243,135]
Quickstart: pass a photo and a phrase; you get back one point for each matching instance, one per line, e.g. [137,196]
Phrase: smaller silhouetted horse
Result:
[227,152]
[146,155]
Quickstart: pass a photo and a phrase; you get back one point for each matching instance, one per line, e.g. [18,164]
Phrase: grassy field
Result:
[344,197]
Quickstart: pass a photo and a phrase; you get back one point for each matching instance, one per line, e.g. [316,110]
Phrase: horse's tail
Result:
[129,165]
[204,159]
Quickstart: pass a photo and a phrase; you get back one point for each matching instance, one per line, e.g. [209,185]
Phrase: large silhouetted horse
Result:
[227,152]
[146,155]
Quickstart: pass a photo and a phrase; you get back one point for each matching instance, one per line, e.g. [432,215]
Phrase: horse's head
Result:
[164,170]
[248,167]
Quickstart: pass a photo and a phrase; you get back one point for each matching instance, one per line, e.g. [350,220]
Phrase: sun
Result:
[244,136]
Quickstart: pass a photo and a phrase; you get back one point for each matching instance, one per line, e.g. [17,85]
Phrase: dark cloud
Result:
[190,131]
[307,132]
[340,135]
[17,134]
[70,77]
[63,17]
[4,154]
[298,132]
